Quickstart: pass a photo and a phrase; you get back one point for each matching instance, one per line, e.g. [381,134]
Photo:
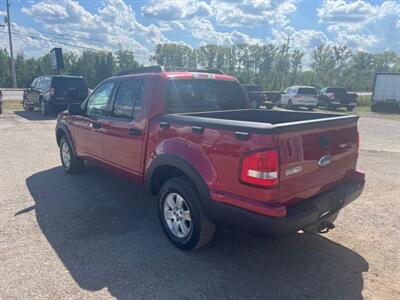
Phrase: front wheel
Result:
[182,217]
[26,105]
[71,163]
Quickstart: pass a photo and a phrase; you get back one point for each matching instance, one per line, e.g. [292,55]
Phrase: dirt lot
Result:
[97,236]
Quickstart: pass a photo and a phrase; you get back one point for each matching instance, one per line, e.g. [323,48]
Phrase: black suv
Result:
[54,93]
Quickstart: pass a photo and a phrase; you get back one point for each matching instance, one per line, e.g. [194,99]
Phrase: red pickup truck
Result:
[190,137]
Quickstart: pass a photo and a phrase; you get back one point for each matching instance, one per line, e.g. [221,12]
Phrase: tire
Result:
[74,164]
[290,104]
[310,108]
[25,105]
[44,108]
[329,106]
[350,108]
[181,215]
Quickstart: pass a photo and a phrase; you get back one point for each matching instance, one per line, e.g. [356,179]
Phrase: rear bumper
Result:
[305,214]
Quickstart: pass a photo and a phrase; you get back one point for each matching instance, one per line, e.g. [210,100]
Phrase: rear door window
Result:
[128,99]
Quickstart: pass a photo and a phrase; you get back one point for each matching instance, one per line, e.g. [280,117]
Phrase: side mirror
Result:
[75,109]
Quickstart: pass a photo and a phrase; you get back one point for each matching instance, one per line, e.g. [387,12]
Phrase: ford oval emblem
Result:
[325,160]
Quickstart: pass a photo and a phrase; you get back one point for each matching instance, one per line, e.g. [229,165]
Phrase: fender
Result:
[174,160]
[62,126]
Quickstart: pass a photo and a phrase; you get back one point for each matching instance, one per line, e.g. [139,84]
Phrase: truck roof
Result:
[177,72]
[302,86]
[183,75]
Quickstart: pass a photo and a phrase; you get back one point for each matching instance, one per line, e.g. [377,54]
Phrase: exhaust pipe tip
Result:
[325,227]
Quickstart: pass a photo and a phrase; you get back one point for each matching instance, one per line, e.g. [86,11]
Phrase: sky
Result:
[138,25]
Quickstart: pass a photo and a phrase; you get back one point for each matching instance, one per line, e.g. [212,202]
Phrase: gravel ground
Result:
[97,236]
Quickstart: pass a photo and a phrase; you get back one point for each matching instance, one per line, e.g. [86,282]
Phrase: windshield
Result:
[307,91]
[195,95]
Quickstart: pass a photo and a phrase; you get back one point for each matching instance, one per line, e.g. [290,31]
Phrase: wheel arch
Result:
[61,132]
[167,166]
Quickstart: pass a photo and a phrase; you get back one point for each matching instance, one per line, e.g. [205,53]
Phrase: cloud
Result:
[111,26]
[252,13]
[236,13]
[362,25]
[176,10]
[22,40]
[334,11]
[203,31]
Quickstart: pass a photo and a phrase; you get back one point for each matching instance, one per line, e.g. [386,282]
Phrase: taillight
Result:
[52,92]
[261,168]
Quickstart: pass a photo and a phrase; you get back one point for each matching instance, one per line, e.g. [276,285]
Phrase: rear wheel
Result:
[72,164]
[182,216]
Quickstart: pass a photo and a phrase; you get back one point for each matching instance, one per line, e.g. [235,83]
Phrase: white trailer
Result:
[386,93]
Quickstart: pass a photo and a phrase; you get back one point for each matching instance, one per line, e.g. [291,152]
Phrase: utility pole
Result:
[286,56]
[14,76]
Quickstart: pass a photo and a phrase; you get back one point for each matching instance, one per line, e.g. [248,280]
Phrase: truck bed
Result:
[258,120]
[303,140]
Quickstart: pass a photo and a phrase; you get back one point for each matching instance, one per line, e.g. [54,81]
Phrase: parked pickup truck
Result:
[191,139]
[258,97]
[334,97]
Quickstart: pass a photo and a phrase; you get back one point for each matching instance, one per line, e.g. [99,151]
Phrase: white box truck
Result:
[386,93]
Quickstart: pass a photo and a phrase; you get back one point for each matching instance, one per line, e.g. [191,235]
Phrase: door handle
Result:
[197,129]
[135,132]
[164,125]
[96,125]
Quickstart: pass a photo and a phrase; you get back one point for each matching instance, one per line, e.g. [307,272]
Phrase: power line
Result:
[28,37]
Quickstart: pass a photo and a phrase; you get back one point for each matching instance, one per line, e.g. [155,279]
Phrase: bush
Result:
[364,100]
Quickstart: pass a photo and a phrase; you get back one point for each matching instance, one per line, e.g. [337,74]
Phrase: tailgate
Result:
[312,159]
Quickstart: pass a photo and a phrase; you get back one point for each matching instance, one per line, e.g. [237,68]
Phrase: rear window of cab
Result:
[196,95]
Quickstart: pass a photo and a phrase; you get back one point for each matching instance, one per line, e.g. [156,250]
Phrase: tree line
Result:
[95,66]
[274,67]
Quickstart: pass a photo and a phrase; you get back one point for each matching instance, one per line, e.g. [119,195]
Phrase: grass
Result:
[364,100]
[12,105]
